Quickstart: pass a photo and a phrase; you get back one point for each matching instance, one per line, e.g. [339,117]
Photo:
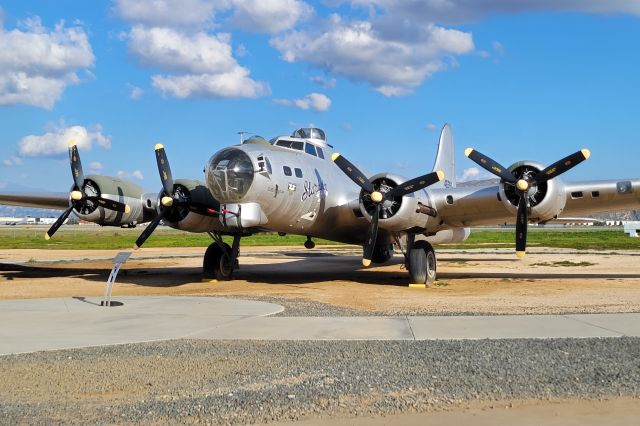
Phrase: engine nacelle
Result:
[113,189]
[186,219]
[399,214]
[447,236]
[547,200]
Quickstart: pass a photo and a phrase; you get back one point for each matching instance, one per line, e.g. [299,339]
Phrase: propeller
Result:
[172,197]
[524,184]
[378,198]
[78,194]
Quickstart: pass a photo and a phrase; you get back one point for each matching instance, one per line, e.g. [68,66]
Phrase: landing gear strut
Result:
[420,261]
[220,259]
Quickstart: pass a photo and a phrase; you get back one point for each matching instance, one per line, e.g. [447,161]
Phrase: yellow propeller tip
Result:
[521,254]
[72,143]
[468,151]
[586,153]
[158,146]
[127,209]
[136,247]
[47,237]
[440,174]
[366,262]
[335,156]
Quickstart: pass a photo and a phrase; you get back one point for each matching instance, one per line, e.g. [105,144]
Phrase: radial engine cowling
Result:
[546,200]
[399,213]
[113,189]
[198,212]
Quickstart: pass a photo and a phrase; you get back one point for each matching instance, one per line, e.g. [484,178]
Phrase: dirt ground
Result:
[469,281]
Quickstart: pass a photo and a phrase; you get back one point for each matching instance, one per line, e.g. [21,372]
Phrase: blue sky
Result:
[527,80]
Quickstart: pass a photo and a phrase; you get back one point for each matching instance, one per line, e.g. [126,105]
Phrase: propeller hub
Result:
[376,197]
[76,195]
[522,185]
[166,201]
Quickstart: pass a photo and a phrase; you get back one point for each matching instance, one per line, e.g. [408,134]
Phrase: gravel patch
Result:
[238,382]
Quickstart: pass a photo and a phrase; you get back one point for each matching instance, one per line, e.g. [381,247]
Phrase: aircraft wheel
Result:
[217,263]
[422,263]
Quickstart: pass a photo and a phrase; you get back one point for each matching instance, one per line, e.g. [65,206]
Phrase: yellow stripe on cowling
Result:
[335,156]
[468,151]
[158,146]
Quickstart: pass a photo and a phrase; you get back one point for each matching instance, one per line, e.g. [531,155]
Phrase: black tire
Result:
[215,264]
[422,263]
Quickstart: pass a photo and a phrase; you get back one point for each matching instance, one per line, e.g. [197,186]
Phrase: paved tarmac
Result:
[61,323]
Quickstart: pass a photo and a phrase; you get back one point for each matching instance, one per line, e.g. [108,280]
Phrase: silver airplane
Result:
[299,184]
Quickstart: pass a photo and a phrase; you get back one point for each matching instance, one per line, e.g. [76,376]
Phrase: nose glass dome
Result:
[229,175]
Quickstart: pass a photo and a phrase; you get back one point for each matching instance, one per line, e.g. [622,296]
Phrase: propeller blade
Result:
[371,238]
[148,231]
[415,184]
[490,165]
[111,204]
[563,165]
[353,172]
[58,223]
[522,222]
[164,169]
[76,166]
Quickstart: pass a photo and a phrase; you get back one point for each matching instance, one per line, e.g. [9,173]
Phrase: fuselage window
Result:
[320,153]
[298,172]
[287,170]
[310,149]
[291,144]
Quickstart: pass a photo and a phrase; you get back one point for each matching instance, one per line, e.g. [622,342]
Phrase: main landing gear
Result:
[420,260]
[220,259]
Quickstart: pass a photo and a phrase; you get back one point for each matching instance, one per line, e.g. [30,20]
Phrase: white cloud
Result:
[95,165]
[136,174]
[456,11]
[327,83]
[37,64]
[315,101]
[203,64]
[431,127]
[236,83]
[135,92]
[56,142]
[181,13]
[391,60]
[474,173]
[13,160]
[269,16]
[172,50]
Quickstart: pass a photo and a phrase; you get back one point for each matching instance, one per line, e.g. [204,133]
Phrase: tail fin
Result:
[445,159]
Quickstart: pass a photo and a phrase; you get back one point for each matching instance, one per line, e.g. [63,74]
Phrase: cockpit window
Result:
[310,149]
[317,134]
[320,153]
[298,145]
[310,133]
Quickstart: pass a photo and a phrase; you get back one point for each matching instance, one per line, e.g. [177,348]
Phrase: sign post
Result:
[118,261]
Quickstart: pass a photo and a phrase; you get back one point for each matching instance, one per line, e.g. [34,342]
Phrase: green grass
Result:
[70,237]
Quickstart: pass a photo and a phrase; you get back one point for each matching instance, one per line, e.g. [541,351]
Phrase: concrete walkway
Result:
[49,324]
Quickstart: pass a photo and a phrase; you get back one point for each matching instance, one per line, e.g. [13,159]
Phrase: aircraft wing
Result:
[480,206]
[57,201]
